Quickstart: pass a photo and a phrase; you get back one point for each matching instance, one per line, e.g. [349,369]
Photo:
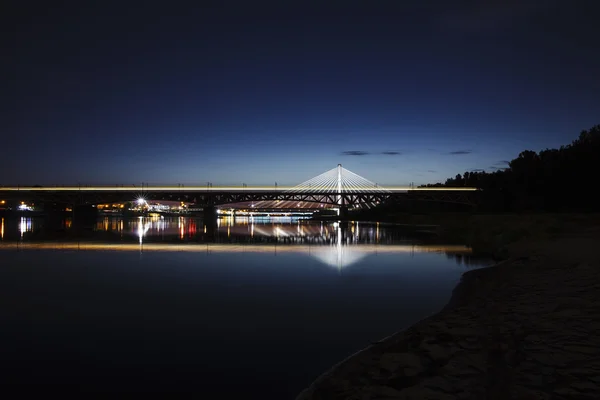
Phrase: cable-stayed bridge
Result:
[337,188]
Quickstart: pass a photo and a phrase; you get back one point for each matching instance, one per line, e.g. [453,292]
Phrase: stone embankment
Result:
[527,328]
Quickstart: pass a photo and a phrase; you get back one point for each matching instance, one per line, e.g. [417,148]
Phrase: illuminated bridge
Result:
[337,188]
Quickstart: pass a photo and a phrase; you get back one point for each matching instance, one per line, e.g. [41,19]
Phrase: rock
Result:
[409,363]
[438,383]
[530,394]
[424,393]
[586,386]
[375,393]
[437,352]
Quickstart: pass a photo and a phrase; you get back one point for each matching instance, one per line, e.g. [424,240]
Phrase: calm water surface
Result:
[253,309]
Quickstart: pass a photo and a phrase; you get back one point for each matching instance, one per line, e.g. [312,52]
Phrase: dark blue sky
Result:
[248,92]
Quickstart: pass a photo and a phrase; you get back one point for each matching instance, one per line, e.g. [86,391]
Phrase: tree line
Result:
[563,179]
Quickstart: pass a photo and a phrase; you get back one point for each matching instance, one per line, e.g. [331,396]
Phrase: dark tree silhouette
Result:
[552,180]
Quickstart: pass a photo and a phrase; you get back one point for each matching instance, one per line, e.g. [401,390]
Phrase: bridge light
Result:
[141,201]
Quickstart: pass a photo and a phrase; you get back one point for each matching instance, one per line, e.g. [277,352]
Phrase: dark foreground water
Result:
[257,309]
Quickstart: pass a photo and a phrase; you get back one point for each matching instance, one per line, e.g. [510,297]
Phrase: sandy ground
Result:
[527,328]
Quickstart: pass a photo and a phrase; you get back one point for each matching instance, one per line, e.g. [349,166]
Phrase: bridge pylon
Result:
[339,185]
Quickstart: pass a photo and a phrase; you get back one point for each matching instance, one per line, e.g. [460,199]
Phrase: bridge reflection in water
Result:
[335,244]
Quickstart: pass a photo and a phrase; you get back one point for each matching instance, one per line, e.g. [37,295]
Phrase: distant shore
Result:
[524,328]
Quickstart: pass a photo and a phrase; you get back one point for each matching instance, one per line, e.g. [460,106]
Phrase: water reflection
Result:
[337,245]
[241,229]
[286,229]
[143,228]
[290,230]
[342,255]
[2,229]
[463,259]
[334,244]
[25,226]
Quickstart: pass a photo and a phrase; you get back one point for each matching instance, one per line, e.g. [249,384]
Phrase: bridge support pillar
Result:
[53,210]
[345,231]
[85,214]
[209,219]
[209,214]
[344,212]
[210,231]
[53,216]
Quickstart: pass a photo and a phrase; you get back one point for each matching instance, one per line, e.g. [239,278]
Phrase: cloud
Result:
[477,170]
[431,171]
[502,162]
[497,168]
[365,153]
[460,152]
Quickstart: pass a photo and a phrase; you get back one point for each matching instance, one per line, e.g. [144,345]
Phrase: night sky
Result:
[247,92]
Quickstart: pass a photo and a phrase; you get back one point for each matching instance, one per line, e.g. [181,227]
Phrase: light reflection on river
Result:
[252,308]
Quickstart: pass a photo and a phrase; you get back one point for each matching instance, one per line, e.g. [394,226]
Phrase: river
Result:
[257,308]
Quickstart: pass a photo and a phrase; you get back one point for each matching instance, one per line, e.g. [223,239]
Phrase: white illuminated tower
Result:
[339,184]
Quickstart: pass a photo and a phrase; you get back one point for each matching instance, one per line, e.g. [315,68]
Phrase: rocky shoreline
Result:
[526,328]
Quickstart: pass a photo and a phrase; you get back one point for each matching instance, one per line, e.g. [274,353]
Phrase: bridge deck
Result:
[217,196]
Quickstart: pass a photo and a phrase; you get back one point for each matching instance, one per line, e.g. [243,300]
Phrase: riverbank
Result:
[526,328]
[492,235]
